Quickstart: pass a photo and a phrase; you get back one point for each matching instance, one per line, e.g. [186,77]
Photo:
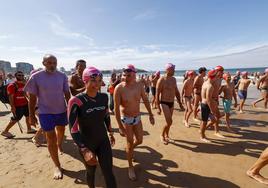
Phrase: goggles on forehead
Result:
[128,70]
[96,75]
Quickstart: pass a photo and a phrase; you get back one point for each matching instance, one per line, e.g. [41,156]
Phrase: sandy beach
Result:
[186,162]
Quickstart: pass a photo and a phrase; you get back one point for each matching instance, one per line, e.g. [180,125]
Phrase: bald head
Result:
[50,62]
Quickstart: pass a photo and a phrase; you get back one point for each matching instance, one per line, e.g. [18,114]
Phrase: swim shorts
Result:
[131,120]
[227,103]
[242,94]
[48,122]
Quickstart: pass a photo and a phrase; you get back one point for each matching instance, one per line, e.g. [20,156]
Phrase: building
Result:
[6,66]
[26,68]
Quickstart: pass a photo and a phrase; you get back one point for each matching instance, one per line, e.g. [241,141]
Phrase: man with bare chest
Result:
[198,82]
[187,94]
[166,90]
[242,85]
[154,78]
[262,85]
[228,91]
[127,95]
[76,83]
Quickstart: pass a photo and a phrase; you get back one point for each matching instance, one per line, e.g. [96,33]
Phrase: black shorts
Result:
[147,90]
[153,89]
[20,112]
[205,112]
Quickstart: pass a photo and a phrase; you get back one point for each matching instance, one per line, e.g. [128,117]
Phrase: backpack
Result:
[4,98]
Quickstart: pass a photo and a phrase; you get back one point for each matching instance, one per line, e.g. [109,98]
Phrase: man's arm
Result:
[32,104]
[67,96]
[159,88]
[237,85]
[209,100]
[117,102]
[146,101]
[234,96]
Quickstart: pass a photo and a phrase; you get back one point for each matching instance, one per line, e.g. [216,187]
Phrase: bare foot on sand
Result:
[205,140]
[186,124]
[195,119]
[131,174]
[257,177]
[58,173]
[219,135]
[253,105]
[163,140]
[60,150]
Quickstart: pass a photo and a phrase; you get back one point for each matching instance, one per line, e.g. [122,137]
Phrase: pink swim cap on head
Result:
[212,73]
[244,73]
[266,70]
[169,65]
[130,68]
[157,73]
[190,73]
[88,72]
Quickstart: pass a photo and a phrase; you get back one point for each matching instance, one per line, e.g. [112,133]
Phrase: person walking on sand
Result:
[154,78]
[19,105]
[243,85]
[262,85]
[127,95]
[198,82]
[89,122]
[187,94]
[254,171]
[166,90]
[228,91]
[215,100]
[50,88]
[208,107]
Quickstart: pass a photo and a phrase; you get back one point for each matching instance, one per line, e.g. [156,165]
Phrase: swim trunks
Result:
[131,120]
[147,90]
[169,104]
[242,94]
[188,97]
[227,103]
[205,112]
[153,89]
[264,89]
[48,122]
[20,112]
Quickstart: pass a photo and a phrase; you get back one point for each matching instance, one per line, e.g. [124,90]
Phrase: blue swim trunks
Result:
[242,94]
[227,104]
[48,122]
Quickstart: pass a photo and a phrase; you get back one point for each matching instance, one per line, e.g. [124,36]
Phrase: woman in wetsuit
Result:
[89,122]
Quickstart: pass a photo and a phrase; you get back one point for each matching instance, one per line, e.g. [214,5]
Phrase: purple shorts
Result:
[48,122]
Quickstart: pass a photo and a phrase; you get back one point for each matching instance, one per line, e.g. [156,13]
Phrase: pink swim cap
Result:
[219,68]
[169,65]
[130,68]
[89,72]
[244,73]
[190,73]
[266,70]
[157,73]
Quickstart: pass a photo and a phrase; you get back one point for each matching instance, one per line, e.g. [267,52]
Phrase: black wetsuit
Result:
[89,122]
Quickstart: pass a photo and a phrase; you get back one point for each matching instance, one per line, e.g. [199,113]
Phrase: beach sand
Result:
[186,162]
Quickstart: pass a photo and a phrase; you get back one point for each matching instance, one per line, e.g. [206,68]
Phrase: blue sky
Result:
[147,33]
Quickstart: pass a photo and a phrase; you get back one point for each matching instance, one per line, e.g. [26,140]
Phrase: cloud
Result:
[2,37]
[146,15]
[58,27]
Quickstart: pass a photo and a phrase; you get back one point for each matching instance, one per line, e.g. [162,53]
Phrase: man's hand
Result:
[235,104]
[122,130]
[112,139]
[89,157]
[151,118]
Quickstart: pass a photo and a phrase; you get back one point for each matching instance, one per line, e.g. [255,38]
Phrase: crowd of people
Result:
[54,100]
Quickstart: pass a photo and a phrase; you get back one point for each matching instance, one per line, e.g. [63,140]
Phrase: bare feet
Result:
[195,119]
[241,111]
[219,135]
[253,105]
[36,142]
[60,150]
[163,140]
[257,177]
[58,173]
[131,174]
[205,140]
[186,124]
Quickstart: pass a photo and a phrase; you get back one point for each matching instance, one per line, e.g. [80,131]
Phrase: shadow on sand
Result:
[150,162]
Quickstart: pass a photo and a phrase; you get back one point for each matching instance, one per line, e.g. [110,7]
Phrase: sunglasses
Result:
[128,70]
[96,75]
[20,75]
